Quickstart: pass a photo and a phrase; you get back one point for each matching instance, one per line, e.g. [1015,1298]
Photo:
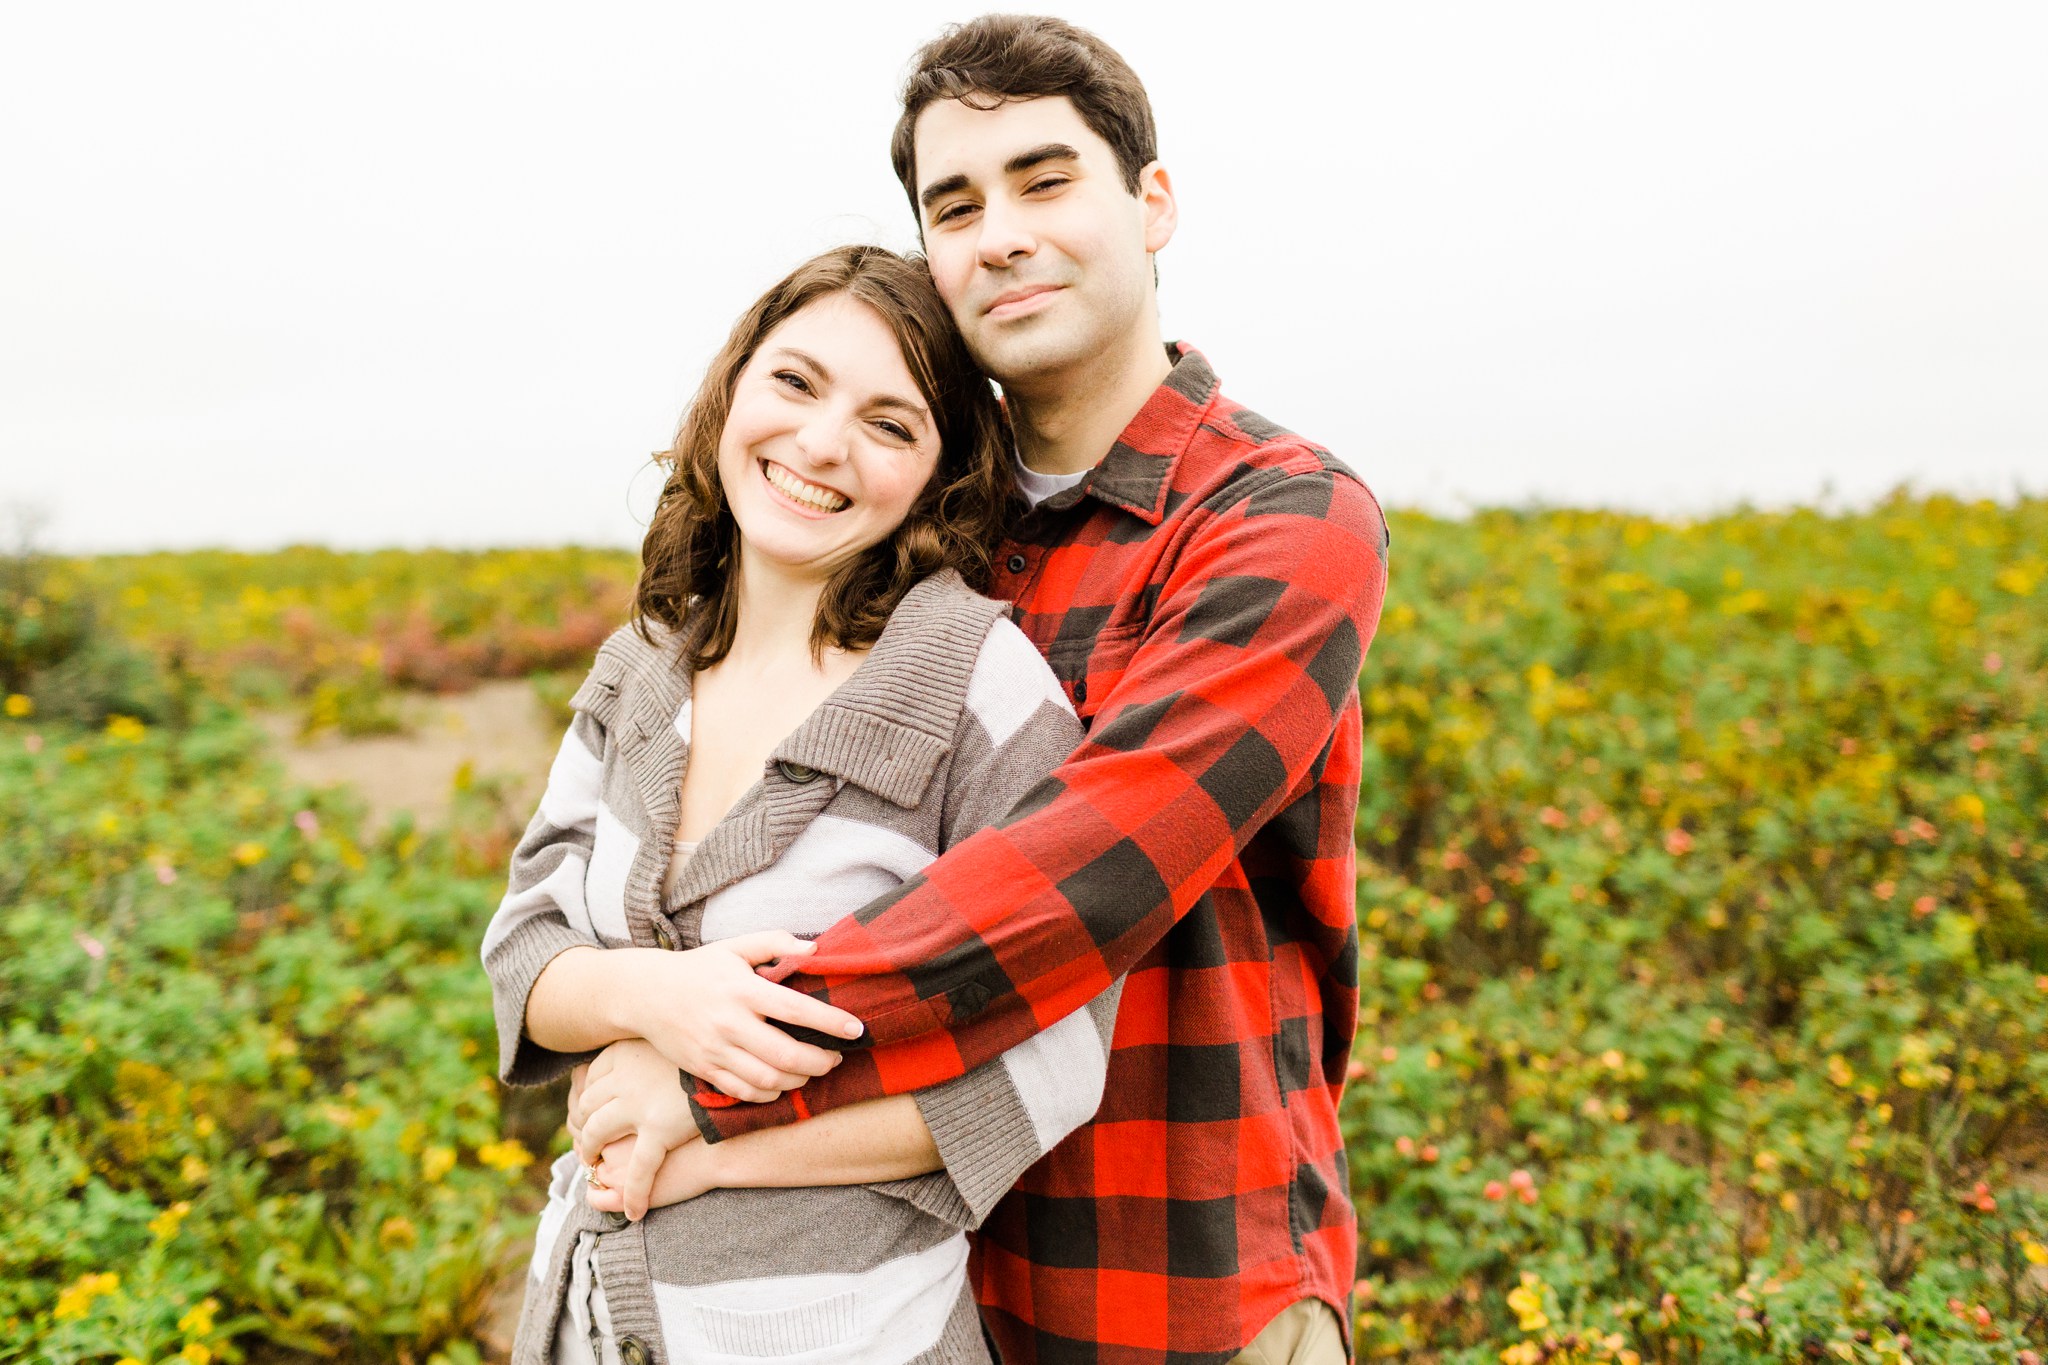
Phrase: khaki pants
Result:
[1305,1333]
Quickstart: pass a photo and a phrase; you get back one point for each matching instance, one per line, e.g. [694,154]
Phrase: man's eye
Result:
[951,212]
[1051,182]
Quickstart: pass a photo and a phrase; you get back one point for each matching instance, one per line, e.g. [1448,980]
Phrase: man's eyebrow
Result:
[939,189]
[1038,156]
[1016,165]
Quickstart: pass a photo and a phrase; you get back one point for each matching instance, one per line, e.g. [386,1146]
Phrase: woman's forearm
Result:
[581,999]
[883,1139]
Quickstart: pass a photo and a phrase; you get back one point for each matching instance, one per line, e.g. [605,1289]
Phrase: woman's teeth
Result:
[809,494]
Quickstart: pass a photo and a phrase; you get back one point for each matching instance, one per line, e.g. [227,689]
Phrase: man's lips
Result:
[1014,302]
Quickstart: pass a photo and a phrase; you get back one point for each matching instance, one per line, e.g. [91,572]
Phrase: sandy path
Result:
[499,730]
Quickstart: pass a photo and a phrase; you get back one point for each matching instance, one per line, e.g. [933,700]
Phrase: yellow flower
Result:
[249,854]
[198,1320]
[397,1232]
[125,729]
[2035,1252]
[1968,806]
[195,1353]
[193,1170]
[1521,1353]
[1527,1303]
[19,706]
[509,1155]
[165,1225]
[436,1162]
[76,1299]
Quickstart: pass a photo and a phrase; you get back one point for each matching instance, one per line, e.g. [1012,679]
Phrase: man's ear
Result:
[1162,215]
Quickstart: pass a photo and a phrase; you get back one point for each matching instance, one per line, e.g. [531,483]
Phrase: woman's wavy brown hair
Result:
[692,545]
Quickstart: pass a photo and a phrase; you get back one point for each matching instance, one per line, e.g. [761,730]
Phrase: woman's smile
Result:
[809,498]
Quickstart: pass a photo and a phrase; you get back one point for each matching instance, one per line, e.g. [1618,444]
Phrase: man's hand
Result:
[685,1173]
[706,1011]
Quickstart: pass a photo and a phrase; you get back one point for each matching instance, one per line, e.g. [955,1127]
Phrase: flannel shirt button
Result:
[1015,563]
[796,772]
[970,999]
[633,1351]
[1080,690]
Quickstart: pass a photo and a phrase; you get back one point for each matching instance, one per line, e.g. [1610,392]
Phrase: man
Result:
[1205,584]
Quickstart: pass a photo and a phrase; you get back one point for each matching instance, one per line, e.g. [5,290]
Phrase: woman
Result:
[814,705]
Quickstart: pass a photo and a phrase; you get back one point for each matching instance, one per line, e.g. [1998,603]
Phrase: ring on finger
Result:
[592,1179]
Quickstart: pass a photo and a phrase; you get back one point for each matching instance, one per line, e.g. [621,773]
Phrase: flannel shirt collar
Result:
[1138,470]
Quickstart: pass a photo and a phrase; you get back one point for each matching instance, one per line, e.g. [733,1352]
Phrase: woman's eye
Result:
[895,429]
[794,380]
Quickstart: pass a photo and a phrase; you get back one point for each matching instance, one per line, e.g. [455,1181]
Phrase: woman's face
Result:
[828,442]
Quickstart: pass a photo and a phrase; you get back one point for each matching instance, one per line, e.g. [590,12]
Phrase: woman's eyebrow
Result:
[890,400]
[806,359]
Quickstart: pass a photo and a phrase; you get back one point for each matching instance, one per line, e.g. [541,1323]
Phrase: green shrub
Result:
[1706,970]
[247,1096]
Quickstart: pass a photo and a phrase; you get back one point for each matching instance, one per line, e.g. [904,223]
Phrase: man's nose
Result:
[1005,237]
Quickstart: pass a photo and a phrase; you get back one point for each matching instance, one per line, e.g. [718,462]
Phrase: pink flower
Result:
[1495,1191]
[1993,662]
[1522,1180]
[1677,843]
[165,873]
[1405,1145]
[32,743]
[94,949]
[308,823]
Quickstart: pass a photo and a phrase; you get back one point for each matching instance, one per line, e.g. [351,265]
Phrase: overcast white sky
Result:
[424,273]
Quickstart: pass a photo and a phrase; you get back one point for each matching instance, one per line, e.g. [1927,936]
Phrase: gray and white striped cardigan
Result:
[950,720]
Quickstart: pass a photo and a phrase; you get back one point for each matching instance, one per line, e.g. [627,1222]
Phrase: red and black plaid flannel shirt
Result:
[1207,595]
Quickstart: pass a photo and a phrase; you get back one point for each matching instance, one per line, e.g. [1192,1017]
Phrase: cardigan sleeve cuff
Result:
[513,967]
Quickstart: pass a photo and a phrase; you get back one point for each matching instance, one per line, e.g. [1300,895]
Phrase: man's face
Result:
[1038,249]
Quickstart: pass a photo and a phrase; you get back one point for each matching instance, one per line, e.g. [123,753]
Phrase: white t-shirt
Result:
[1038,487]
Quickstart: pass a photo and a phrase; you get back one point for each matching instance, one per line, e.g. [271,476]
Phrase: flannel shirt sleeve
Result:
[991,1124]
[543,910]
[1222,714]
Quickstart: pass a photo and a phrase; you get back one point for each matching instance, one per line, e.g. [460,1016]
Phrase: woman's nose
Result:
[823,439]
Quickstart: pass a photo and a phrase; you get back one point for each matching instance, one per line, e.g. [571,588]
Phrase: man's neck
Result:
[1066,424]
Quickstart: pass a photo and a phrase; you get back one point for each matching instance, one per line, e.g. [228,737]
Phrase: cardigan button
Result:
[616,1221]
[796,772]
[633,1351]
[1015,563]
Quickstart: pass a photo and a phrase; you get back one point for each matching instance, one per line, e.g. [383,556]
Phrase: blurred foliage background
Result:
[1703,899]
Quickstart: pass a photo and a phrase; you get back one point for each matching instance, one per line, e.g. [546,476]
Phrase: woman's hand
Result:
[707,1010]
[685,1173]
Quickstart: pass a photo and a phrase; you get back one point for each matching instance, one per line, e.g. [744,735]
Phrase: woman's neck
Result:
[776,613]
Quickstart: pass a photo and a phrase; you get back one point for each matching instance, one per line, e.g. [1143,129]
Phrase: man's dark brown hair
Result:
[989,61]
[692,545]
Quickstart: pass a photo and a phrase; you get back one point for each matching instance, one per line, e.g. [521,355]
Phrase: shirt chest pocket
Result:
[1091,670]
